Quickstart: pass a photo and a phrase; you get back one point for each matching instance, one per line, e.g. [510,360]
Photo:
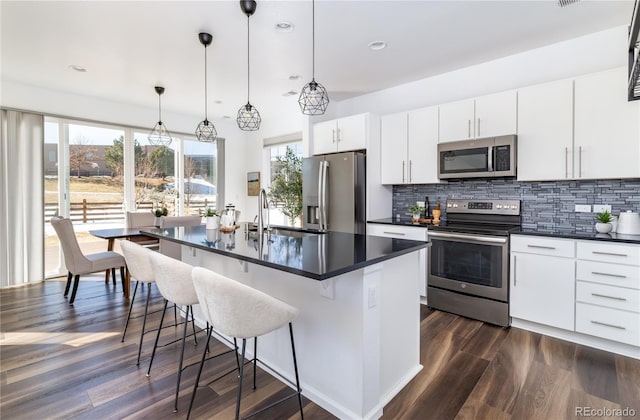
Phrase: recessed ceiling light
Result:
[290,93]
[377,45]
[226,116]
[294,77]
[218,101]
[77,68]
[284,27]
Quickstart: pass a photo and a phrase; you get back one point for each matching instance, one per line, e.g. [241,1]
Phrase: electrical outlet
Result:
[583,208]
[601,208]
[373,297]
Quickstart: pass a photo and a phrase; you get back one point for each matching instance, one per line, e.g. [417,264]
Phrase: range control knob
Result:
[514,207]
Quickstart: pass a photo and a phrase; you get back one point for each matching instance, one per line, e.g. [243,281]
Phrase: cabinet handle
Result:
[478,127]
[410,166]
[515,275]
[597,273]
[541,246]
[580,161]
[566,162]
[394,233]
[338,134]
[609,253]
[608,325]
[403,171]
[333,134]
[469,129]
[608,297]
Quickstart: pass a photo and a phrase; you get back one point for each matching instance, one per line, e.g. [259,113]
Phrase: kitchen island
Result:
[358,333]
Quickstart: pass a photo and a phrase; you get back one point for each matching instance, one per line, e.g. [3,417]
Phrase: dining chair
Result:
[173,249]
[78,263]
[137,219]
[239,311]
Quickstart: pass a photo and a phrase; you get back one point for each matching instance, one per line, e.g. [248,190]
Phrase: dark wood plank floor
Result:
[59,361]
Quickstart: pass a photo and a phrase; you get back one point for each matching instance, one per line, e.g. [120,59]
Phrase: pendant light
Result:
[314,98]
[206,132]
[248,116]
[159,136]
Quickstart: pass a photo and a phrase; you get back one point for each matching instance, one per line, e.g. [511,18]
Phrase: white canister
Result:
[628,223]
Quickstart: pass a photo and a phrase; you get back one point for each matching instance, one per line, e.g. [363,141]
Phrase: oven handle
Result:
[489,239]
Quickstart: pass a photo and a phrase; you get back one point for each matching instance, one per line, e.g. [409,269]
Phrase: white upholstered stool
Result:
[240,311]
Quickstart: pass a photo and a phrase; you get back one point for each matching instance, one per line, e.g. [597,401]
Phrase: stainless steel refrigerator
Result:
[334,192]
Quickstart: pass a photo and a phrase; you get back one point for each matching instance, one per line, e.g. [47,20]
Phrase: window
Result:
[277,217]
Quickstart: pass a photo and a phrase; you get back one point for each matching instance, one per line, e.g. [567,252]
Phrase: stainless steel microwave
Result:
[479,158]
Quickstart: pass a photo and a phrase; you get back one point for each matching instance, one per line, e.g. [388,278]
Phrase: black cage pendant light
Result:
[206,131]
[314,98]
[159,135]
[248,116]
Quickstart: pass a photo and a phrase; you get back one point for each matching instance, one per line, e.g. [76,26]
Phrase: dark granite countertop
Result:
[568,234]
[315,255]
[398,222]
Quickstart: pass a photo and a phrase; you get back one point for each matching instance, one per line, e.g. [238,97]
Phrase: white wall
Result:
[587,54]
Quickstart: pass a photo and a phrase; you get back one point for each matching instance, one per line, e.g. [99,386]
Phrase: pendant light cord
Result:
[248,63]
[159,109]
[205,83]
[313,40]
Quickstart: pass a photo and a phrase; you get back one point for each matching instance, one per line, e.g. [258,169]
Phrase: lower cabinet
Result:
[405,232]
[553,279]
[542,281]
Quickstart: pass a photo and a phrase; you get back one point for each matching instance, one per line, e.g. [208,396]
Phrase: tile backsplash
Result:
[546,205]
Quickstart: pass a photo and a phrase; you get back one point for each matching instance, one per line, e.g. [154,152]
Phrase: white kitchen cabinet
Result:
[405,232]
[485,116]
[543,281]
[545,131]
[607,127]
[410,147]
[340,135]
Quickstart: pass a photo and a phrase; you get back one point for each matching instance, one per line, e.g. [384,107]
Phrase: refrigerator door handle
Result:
[320,206]
[323,195]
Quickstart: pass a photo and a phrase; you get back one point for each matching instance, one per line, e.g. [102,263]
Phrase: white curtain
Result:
[21,198]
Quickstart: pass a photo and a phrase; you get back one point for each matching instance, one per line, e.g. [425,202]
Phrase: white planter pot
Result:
[603,227]
[213,222]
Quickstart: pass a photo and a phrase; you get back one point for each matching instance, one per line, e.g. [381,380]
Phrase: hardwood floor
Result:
[59,361]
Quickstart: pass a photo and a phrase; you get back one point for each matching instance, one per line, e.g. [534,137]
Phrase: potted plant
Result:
[604,222]
[416,210]
[213,217]
[159,212]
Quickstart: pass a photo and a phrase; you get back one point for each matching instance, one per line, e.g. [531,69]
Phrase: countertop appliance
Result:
[469,259]
[479,158]
[628,223]
[334,192]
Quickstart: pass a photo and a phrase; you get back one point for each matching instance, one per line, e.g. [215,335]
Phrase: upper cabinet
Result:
[409,147]
[578,129]
[607,127]
[341,135]
[485,116]
[545,131]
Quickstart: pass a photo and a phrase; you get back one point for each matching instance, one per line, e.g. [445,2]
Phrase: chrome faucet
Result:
[263,203]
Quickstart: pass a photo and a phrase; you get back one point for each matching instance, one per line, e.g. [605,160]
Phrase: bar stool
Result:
[239,311]
[139,265]
[173,279]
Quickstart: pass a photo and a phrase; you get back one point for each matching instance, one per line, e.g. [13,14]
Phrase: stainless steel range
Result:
[469,259]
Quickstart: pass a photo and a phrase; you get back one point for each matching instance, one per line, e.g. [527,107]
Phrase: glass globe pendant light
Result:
[314,98]
[159,135]
[248,116]
[206,131]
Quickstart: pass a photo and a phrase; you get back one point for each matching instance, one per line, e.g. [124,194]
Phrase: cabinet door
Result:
[542,289]
[496,114]
[607,127]
[324,138]
[422,146]
[545,131]
[352,133]
[456,121]
[393,136]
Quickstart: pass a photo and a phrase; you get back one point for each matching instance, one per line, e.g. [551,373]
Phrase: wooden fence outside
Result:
[99,211]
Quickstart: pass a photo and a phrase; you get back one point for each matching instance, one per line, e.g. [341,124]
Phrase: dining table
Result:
[119,233]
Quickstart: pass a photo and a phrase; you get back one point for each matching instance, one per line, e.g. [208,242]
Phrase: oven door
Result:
[471,264]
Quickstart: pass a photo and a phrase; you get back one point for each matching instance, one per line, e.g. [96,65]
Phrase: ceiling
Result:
[128,47]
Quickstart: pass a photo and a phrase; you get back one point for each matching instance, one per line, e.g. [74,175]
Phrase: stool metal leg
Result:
[66,288]
[195,387]
[76,282]
[184,341]
[295,368]
[255,359]
[244,347]
[144,321]
[155,345]
[193,325]
[122,279]
[133,299]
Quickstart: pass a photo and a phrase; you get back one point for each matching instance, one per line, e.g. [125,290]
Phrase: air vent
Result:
[565,3]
